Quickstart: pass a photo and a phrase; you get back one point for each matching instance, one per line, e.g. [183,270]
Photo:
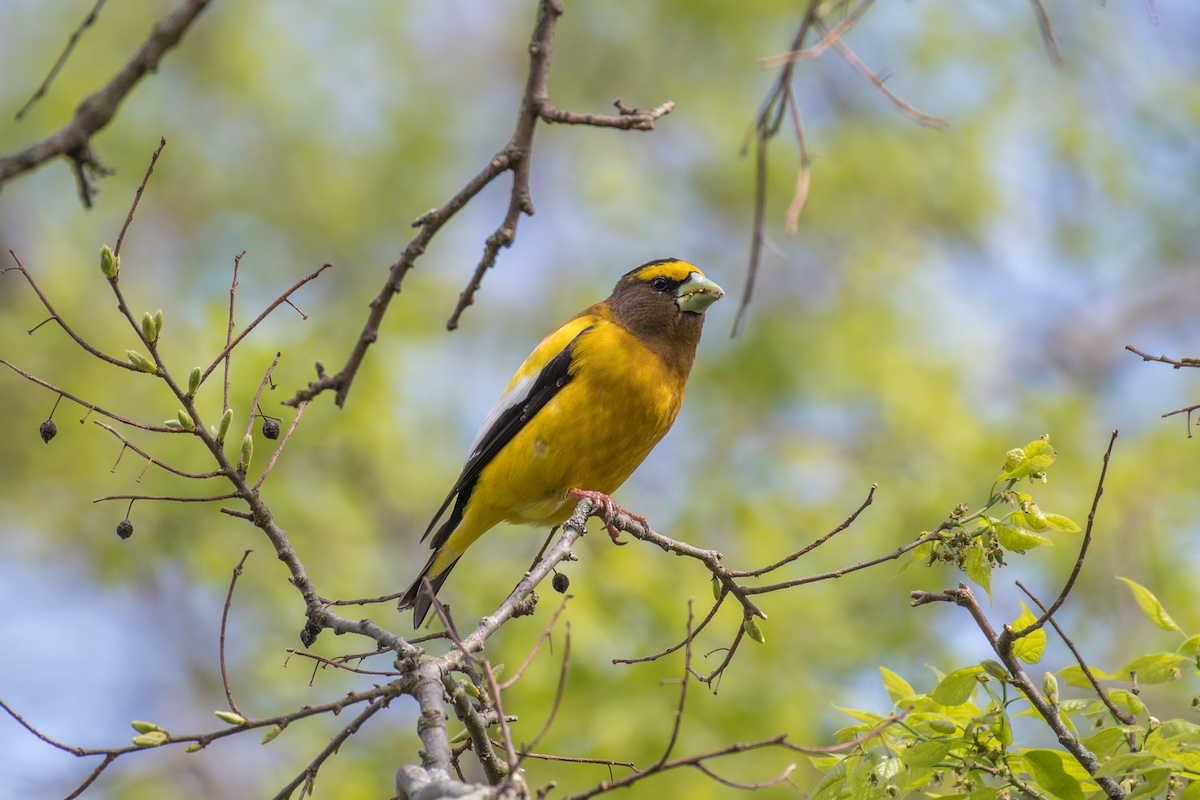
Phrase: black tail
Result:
[420,601]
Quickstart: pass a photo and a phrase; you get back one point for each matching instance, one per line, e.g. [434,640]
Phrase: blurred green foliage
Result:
[947,295]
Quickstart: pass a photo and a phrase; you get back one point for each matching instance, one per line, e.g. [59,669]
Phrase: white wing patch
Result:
[515,396]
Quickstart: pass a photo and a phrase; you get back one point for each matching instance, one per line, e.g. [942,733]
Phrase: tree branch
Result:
[73,140]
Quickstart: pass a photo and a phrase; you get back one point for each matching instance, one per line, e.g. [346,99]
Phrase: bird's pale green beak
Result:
[697,293]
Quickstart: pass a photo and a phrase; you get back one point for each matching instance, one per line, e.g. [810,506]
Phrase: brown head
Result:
[663,304]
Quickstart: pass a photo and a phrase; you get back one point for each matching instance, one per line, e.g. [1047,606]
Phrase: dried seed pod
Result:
[48,430]
[270,429]
[560,582]
[124,529]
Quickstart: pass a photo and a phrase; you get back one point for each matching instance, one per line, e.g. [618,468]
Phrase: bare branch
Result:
[224,620]
[1087,539]
[138,196]
[1177,363]
[89,406]
[62,59]
[73,140]
[62,323]
[126,443]
[283,298]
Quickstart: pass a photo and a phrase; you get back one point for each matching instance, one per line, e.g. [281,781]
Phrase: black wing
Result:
[549,382]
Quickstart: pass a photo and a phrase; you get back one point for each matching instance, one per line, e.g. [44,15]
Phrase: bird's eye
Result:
[659,284]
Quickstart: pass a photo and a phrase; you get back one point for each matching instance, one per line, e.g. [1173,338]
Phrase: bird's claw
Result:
[611,510]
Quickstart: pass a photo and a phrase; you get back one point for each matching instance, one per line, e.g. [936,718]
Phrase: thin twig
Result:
[224,619]
[73,140]
[237,262]
[283,298]
[62,323]
[1177,363]
[537,646]
[62,59]
[865,71]
[1087,539]
[126,443]
[1117,715]
[282,443]
[1049,37]
[310,772]
[849,521]
[683,687]
[89,406]
[562,683]
[138,196]
[173,499]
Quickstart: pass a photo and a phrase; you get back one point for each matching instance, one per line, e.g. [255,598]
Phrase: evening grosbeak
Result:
[582,412]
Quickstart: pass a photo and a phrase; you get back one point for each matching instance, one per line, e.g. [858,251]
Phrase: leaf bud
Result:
[151,739]
[144,727]
[1050,687]
[716,587]
[141,362]
[1013,458]
[560,582]
[192,748]
[753,631]
[470,688]
[270,429]
[247,451]
[994,668]
[271,734]
[185,421]
[148,328]
[48,430]
[124,529]
[110,265]
[157,323]
[226,418]
[230,717]
[498,670]
[173,424]
[194,382]
[461,736]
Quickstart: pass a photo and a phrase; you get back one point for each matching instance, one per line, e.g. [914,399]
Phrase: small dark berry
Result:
[560,582]
[271,429]
[125,529]
[309,634]
[48,429]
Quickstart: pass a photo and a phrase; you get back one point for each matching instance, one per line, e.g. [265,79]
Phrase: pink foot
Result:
[611,509]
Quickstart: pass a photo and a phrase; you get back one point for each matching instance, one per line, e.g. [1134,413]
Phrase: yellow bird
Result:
[580,415]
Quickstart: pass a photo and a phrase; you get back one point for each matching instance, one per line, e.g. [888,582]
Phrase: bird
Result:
[579,416]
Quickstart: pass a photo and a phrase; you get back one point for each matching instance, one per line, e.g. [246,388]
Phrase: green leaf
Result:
[1191,647]
[861,716]
[1125,762]
[1057,522]
[1012,538]
[1032,521]
[1073,676]
[920,553]
[1153,609]
[1157,668]
[831,782]
[1046,767]
[1121,697]
[1177,727]
[978,569]
[1107,742]
[1153,782]
[957,687]
[897,687]
[1028,648]
[1038,456]
[1192,792]
[927,754]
